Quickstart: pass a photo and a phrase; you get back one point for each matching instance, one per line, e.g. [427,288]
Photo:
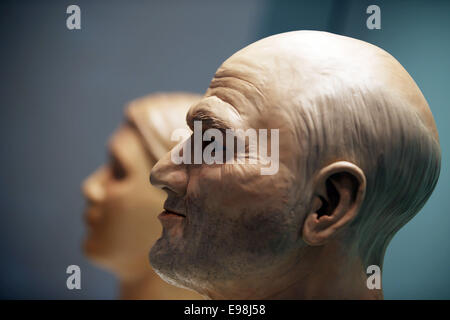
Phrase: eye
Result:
[220,145]
[206,143]
[118,172]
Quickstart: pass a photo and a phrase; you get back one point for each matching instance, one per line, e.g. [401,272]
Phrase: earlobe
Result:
[339,190]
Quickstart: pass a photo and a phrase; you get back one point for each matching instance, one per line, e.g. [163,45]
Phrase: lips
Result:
[91,217]
[168,213]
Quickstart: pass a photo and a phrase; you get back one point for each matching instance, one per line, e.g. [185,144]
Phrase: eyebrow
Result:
[208,119]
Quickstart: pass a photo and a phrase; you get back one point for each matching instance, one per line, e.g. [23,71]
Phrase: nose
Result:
[93,186]
[168,175]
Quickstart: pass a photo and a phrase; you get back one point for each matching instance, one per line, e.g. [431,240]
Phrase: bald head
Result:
[294,66]
[358,157]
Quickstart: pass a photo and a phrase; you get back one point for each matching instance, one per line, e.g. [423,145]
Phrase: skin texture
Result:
[289,235]
[122,207]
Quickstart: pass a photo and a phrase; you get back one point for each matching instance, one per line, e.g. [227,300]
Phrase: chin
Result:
[156,257]
[89,249]
[173,268]
[163,262]
[95,253]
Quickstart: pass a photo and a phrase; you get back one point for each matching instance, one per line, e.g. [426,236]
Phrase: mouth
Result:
[167,213]
[91,217]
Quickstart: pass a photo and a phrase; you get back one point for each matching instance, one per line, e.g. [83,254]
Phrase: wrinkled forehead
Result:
[277,72]
[242,89]
[282,67]
[251,78]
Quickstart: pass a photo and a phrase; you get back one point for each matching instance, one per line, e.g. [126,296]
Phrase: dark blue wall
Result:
[62,94]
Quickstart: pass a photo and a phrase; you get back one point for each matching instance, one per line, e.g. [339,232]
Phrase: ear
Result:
[339,190]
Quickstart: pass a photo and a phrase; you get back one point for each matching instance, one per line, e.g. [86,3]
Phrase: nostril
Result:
[151,178]
[155,179]
[165,174]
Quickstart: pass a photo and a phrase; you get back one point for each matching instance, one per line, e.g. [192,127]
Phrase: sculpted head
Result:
[121,205]
[359,156]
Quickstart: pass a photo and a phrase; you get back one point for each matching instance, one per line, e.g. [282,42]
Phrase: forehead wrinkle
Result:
[239,78]
[235,90]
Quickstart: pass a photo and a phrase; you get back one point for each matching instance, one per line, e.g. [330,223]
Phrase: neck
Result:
[326,272]
[329,272]
[138,287]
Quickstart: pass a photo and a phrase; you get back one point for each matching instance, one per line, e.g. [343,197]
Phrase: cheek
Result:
[130,225]
[241,220]
[118,199]
[133,193]
[121,211]
[240,187]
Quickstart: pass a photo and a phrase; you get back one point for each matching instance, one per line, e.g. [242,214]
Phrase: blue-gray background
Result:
[62,94]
